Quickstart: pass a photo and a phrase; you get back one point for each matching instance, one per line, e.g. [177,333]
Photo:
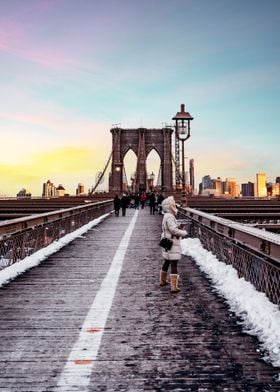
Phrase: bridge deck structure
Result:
[92,317]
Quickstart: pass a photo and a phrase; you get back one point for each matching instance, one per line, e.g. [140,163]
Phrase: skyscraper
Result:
[192,175]
[80,190]
[217,185]
[49,190]
[207,182]
[248,189]
[231,188]
[261,185]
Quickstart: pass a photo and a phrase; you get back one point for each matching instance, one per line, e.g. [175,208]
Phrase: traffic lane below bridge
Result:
[153,340]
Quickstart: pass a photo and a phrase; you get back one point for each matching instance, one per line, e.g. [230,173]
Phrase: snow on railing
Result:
[22,237]
[254,253]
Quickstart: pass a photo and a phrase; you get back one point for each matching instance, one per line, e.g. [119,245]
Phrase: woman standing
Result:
[171,230]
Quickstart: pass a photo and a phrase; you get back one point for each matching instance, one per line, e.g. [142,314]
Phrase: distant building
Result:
[248,189]
[187,179]
[80,189]
[191,170]
[273,189]
[207,182]
[261,190]
[218,186]
[231,188]
[49,190]
[277,186]
[60,191]
[24,194]
[277,189]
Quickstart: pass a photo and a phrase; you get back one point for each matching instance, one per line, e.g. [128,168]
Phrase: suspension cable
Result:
[102,174]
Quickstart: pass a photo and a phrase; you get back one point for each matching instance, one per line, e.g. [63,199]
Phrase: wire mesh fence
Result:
[262,271]
[15,247]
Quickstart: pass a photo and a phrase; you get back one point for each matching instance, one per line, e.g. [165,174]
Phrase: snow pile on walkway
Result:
[11,272]
[260,316]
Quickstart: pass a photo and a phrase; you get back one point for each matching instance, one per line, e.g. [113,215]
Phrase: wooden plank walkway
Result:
[152,341]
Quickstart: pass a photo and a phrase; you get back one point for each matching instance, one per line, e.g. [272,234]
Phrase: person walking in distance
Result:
[152,203]
[117,205]
[171,230]
[124,203]
[143,199]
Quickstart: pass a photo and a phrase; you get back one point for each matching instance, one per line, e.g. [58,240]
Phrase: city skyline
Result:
[104,186]
[70,71]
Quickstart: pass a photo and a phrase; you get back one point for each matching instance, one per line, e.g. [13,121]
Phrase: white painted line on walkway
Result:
[78,368]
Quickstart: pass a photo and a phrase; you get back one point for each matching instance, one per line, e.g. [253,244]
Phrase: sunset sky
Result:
[70,69]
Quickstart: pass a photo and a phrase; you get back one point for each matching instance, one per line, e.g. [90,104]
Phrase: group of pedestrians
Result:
[121,203]
[138,200]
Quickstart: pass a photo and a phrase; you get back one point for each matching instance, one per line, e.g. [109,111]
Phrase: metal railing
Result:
[254,253]
[24,236]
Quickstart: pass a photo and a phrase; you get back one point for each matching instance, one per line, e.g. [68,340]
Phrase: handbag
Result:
[166,243]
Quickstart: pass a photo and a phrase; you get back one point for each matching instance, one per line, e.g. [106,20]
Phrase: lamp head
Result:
[183,132]
[182,115]
[183,120]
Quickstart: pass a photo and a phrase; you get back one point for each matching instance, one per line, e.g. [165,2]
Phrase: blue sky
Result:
[70,69]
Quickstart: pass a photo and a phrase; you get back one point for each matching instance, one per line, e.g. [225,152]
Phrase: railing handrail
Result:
[16,225]
[265,243]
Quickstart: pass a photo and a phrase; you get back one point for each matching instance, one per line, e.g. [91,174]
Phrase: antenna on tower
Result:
[118,125]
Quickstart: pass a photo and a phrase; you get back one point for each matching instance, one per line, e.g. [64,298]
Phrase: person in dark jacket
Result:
[152,203]
[117,205]
[137,201]
[124,203]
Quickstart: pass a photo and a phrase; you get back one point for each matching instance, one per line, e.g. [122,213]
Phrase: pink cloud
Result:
[41,6]
[46,58]
[14,41]
[10,35]
[23,118]
[45,5]
[43,57]
[3,40]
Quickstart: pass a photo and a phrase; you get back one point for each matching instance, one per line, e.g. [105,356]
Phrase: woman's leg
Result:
[174,268]
[165,265]
[163,273]
[174,277]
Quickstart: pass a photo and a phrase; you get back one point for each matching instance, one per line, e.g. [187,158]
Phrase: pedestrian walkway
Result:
[92,317]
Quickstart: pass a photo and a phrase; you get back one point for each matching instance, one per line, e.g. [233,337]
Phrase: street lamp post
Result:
[151,181]
[182,132]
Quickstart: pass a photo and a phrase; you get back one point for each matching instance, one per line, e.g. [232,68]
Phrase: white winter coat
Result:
[170,229]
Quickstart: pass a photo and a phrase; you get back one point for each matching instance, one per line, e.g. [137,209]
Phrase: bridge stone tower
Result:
[141,141]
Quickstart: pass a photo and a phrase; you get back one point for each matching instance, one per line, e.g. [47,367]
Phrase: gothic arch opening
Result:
[129,170]
[153,167]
